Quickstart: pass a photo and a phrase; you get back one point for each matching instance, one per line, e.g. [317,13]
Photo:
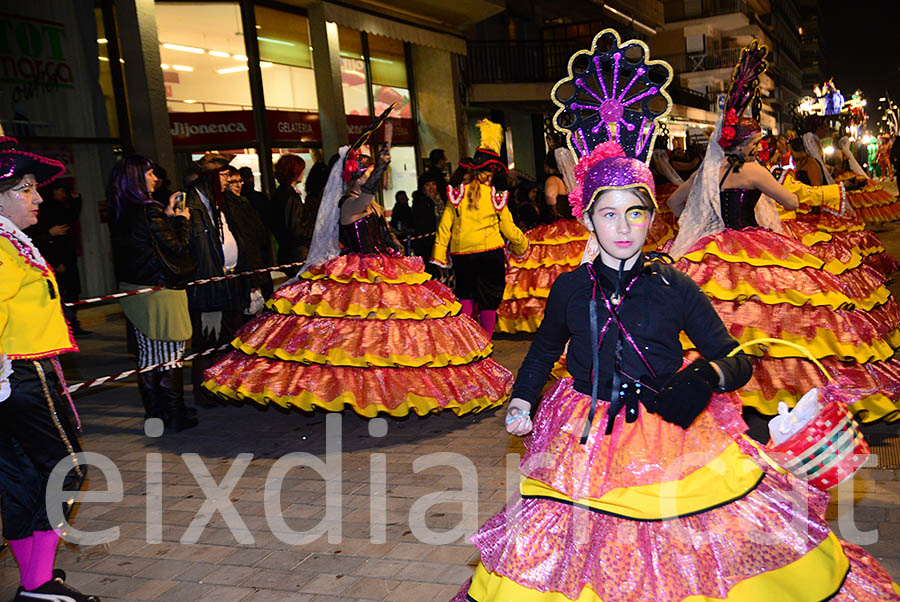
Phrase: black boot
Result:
[148,386]
[171,390]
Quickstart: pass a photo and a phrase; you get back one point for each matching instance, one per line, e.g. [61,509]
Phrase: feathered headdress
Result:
[744,92]
[610,105]
[487,155]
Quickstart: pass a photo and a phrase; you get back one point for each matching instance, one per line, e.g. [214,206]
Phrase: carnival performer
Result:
[638,484]
[554,248]
[766,284]
[36,422]
[151,247]
[837,239]
[471,233]
[362,327]
[870,200]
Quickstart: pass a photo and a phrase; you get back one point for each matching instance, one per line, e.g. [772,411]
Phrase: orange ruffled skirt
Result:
[553,249]
[764,284]
[368,332]
[873,203]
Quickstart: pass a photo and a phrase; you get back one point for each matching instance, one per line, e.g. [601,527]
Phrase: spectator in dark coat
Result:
[287,210]
[427,207]
[315,186]
[55,236]
[437,171]
[401,214]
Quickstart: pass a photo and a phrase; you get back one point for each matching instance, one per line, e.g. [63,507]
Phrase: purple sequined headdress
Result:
[609,108]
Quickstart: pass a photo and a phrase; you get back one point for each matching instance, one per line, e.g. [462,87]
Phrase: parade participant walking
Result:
[36,430]
[554,247]
[765,284]
[151,247]
[362,327]
[472,229]
[638,483]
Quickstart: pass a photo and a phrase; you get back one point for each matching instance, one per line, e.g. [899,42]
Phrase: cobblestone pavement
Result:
[239,558]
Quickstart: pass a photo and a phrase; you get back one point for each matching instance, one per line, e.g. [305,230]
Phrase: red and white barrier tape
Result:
[194,283]
[89,384]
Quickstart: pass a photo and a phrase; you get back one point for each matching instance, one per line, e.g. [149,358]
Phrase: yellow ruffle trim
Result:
[868,409]
[825,344]
[513,325]
[792,262]
[727,477]
[832,299]
[309,401]
[371,276]
[816,575]
[531,264]
[560,240]
[525,293]
[284,307]
[814,238]
[340,357]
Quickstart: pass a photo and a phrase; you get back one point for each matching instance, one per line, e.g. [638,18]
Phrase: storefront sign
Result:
[32,52]
[219,127]
[235,128]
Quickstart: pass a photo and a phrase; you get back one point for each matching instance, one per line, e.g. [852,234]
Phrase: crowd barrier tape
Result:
[90,384]
[194,283]
[150,289]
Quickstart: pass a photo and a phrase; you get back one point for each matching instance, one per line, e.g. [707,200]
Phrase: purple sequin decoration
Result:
[617,172]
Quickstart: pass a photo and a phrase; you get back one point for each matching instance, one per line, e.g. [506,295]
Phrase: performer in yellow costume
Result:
[471,233]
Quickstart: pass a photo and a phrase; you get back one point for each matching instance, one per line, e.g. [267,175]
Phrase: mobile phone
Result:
[179,201]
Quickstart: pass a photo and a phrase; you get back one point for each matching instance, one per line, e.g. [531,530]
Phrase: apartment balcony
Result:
[502,71]
[686,10]
[725,58]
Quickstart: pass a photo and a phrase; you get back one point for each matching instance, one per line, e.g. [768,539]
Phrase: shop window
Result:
[353,72]
[290,82]
[105,76]
[387,57]
[201,47]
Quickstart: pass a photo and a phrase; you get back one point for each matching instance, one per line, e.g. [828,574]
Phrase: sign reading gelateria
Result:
[236,128]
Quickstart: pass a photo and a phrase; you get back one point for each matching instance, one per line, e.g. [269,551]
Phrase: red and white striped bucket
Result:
[825,452]
[828,449]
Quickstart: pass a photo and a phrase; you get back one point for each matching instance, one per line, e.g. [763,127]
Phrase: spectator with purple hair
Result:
[151,247]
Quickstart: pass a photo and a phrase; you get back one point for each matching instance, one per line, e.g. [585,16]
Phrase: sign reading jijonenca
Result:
[236,127]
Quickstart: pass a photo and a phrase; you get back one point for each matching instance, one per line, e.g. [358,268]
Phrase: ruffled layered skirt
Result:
[654,512]
[369,332]
[838,240]
[874,204]
[764,284]
[552,250]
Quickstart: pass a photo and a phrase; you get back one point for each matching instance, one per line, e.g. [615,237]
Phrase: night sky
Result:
[862,50]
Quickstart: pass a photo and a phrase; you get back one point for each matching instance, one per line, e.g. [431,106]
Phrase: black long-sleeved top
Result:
[661,304]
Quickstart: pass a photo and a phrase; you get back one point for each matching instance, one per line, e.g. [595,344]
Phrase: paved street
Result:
[264,567]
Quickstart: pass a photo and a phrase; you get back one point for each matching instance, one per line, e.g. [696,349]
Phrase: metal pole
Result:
[260,125]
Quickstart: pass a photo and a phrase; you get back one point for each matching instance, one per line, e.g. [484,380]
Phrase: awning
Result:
[393,29]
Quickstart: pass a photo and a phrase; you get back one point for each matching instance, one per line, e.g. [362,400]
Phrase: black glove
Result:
[374,182]
[687,393]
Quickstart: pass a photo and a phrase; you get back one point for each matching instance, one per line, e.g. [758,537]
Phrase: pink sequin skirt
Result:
[767,540]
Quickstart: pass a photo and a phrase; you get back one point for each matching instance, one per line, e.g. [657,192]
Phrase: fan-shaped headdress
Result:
[743,93]
[609,108]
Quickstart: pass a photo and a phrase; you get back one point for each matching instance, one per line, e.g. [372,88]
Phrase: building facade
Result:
[88,81]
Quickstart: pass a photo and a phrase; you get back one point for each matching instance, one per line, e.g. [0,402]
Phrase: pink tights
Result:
[36,556]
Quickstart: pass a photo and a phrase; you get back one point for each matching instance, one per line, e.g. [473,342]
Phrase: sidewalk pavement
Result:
[261,567]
